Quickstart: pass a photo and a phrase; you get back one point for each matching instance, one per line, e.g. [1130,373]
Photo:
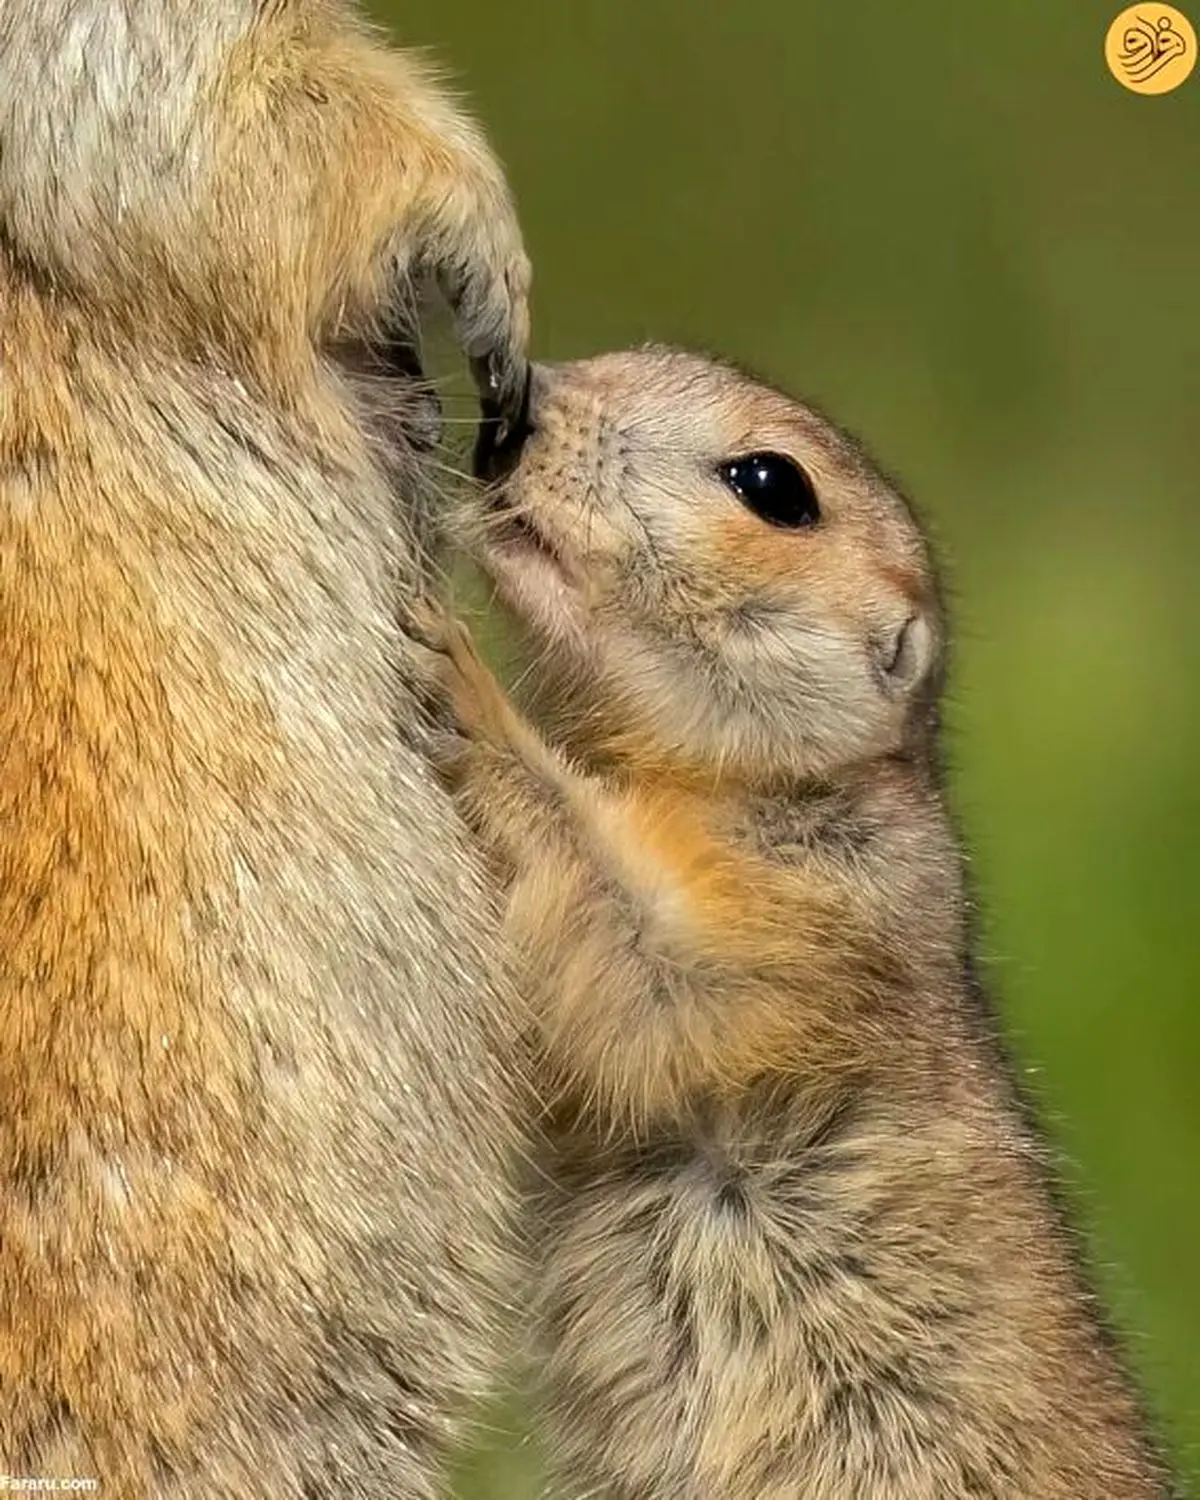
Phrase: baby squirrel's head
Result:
[720,571]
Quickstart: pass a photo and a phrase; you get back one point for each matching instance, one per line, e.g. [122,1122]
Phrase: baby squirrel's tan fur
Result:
[800,1243]
[255,1040]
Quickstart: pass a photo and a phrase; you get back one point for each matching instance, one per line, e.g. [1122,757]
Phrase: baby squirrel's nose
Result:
[501,437]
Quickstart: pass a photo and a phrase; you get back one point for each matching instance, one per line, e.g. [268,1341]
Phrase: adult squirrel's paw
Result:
[475,251]
[489,294]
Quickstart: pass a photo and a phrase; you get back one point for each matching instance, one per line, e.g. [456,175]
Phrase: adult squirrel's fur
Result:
[257,1097]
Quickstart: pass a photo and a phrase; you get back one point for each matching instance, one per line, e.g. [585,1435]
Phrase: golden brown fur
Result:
[798,1243]
[255,1039]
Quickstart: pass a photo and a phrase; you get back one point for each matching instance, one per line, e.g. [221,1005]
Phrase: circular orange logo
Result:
[1150,48]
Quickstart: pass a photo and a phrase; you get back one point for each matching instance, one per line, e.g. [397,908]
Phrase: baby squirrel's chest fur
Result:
[810,1246]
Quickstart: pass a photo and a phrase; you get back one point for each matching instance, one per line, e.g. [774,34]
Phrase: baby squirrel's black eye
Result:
[774,488]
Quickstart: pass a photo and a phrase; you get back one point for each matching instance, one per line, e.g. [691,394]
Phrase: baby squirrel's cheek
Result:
[756,554]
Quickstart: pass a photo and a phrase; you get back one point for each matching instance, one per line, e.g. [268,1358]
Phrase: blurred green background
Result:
[949,225]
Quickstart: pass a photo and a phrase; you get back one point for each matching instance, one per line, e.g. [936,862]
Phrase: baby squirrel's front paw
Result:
[469,701]
[481,732]
[479,706]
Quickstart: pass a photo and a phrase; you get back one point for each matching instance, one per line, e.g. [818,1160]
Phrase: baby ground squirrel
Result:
[800,1240]
[256,1042]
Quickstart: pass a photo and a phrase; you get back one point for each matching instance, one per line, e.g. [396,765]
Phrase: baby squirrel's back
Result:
[255,1037]
[802,1239]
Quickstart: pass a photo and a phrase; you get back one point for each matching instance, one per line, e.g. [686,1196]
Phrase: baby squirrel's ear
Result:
[902,657]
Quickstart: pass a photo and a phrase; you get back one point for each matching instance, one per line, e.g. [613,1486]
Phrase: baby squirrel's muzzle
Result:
[502,434]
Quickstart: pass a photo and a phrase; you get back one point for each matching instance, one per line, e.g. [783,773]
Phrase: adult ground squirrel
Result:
[800,1239]
[255,1039]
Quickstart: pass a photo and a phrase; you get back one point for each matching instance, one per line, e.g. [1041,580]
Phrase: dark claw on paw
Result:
[488,378]
[503,387]
[503,429]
